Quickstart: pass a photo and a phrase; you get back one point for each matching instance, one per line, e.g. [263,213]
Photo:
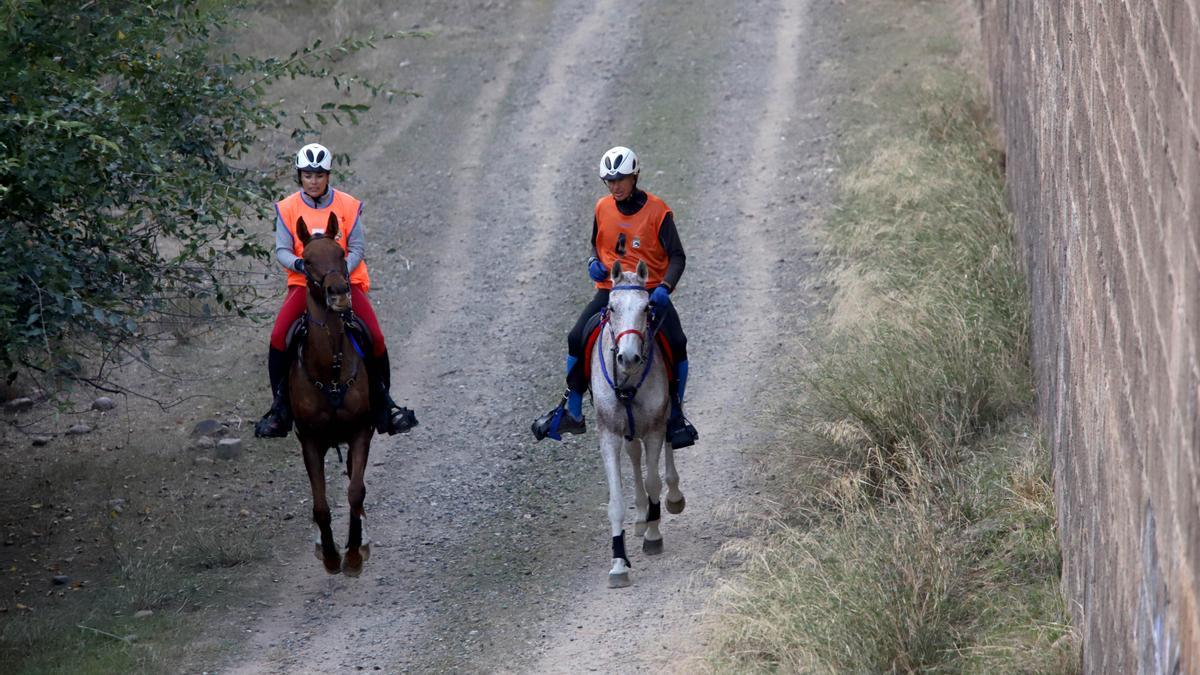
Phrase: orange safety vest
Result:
[345,207]
[631,238]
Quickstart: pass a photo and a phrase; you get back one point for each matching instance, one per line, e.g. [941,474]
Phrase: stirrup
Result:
[556,423]
[681,433]
[398,420]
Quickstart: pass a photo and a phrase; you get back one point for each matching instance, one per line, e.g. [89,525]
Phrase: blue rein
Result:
[626,394]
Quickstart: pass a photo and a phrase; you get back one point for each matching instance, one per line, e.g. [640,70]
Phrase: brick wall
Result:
[1099,102]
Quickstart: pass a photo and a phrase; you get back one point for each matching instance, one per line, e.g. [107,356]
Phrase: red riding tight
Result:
[296,302]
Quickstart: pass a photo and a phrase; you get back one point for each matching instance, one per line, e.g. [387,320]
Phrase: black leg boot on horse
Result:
[390,418]
[278,420]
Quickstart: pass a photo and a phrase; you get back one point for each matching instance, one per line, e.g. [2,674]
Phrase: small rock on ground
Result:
[103,404]
[229,448]
[79,430]
[210,427]
[19,404]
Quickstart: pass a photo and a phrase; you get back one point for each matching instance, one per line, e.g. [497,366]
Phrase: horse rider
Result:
[630,224]
[314,201]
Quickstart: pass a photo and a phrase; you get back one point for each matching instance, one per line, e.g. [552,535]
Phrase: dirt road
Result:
[491,552]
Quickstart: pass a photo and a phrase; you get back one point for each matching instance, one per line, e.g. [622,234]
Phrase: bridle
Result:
[625,393]
[335,390]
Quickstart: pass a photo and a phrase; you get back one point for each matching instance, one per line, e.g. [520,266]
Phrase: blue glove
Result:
[660,297]
[299,265]
[596,270]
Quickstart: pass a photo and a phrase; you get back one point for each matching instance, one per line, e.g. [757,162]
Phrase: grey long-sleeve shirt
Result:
[285,245]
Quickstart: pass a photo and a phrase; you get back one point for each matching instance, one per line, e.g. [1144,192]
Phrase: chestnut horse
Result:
[330,394]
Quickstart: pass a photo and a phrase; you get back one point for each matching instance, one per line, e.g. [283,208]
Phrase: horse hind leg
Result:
[675,499]
[640,503]
[652,544]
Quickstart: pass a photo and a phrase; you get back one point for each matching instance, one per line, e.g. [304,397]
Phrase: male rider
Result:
[630,225]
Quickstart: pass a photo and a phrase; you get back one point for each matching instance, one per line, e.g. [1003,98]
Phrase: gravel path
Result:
[491,552]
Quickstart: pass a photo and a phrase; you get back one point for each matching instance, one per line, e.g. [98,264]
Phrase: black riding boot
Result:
[389,418]
[278,420]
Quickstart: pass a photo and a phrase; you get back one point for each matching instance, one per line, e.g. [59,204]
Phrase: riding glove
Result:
[660,297]
[299,265]
[596,269]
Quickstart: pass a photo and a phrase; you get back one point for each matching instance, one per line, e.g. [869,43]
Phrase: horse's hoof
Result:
[618,580]
[676,507]
[652,546]
[639,528]
[352,563]
[333,565]
[365,551]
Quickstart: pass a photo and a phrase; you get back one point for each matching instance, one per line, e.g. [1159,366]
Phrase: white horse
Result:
[630,393]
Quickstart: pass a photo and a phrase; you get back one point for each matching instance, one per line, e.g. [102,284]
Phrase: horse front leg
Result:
[358,546]
[653,542]
[610,447]
[314,463]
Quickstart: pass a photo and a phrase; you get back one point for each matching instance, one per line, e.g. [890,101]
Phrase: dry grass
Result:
[921,533]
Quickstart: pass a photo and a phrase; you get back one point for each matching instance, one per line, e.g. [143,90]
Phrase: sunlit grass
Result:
[920,535]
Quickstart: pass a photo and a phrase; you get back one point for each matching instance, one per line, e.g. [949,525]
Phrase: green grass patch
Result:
[920,533]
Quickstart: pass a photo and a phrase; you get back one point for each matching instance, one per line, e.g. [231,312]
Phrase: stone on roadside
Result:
[201,459]
[204,443]
[229,448]
[79,430]
[103,404]
[19,404]
[61,580]
[117,505]
[143,613]
[39,441]
[211,428]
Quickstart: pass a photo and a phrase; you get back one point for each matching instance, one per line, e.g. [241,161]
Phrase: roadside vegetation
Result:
[918,532]
[132,173]
[130,169]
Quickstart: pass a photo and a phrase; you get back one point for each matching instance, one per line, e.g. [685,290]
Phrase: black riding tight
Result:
[575,339]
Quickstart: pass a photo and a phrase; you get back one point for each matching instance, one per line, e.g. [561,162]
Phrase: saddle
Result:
[357,330]
[592,330]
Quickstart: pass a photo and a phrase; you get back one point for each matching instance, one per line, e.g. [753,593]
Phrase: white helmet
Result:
[314,157]
[617,162]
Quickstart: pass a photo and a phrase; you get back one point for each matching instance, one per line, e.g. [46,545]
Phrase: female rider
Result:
[630,224]
[314,202]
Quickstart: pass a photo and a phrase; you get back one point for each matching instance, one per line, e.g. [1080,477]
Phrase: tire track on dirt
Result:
[337,624]
[322,639]
[655,623]
[491,550]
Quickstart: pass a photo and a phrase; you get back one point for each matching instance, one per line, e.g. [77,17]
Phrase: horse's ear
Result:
[643,272]
[615,272]
[331,228]
[302,230]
